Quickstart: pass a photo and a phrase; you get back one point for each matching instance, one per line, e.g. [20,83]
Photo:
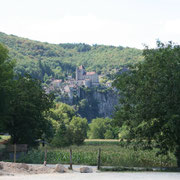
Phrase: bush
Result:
[61,137]
[101,128]
[79,128]
[108,134]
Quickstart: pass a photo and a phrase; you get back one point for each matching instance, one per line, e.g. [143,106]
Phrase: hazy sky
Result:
[111,22]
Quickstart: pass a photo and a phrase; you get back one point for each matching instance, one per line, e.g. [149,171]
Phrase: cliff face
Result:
[95,103]
[106,102]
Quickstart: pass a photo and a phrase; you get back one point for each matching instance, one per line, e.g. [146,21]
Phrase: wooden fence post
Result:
[14,153]
[45,156]
[99,159]
[70,167]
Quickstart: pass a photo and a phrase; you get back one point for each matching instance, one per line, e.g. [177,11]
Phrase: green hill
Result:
[43,60]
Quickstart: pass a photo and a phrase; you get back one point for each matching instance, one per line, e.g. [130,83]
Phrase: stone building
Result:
[86,78]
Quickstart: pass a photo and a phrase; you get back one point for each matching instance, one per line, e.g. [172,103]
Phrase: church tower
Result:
[77,74]
[80,73]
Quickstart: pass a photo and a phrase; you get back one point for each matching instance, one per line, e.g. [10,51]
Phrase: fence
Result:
[12,152]
[16,151]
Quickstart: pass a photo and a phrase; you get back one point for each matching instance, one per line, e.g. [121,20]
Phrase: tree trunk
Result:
[177,154]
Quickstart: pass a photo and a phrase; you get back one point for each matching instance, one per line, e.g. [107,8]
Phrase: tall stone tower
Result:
[80,73]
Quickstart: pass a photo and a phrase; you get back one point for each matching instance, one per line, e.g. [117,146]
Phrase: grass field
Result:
[113,153]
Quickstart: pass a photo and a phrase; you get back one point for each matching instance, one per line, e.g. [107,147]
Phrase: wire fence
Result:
[12,152]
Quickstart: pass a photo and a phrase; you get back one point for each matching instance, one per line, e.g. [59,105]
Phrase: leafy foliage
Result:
[6,76]
[101,128]
[69,129]
[28,106]
[78,127]
[62,112]
[61,137]
[150,98]
[23,104]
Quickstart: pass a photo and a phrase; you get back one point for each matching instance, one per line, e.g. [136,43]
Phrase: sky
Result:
[132,23]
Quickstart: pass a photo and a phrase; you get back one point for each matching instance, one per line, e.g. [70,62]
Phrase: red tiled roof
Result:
[90,73]
[57,80]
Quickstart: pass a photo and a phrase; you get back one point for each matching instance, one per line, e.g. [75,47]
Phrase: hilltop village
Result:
[72,86]
[85,93]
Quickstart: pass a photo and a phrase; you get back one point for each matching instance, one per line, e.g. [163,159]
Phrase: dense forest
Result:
[44,60]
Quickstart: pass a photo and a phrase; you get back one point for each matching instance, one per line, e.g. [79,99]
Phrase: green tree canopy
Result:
[79,128]
[6,74]
[69,129]
[60,60]
[61,137]
[26,120]
[101,128]
[6,77]
[62,112]
[150,98]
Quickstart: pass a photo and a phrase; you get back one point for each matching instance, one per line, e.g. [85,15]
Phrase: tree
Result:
[109,134]
[78,127]
[6,76]
[150,98]
[62,112]
[101,128]
[69,129]
[61,138]
[26,120]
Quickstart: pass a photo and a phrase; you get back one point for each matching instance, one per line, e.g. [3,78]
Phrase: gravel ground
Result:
[21,171]
[97,176]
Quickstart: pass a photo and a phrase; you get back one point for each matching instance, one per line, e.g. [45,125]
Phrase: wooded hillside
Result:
[43,60]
